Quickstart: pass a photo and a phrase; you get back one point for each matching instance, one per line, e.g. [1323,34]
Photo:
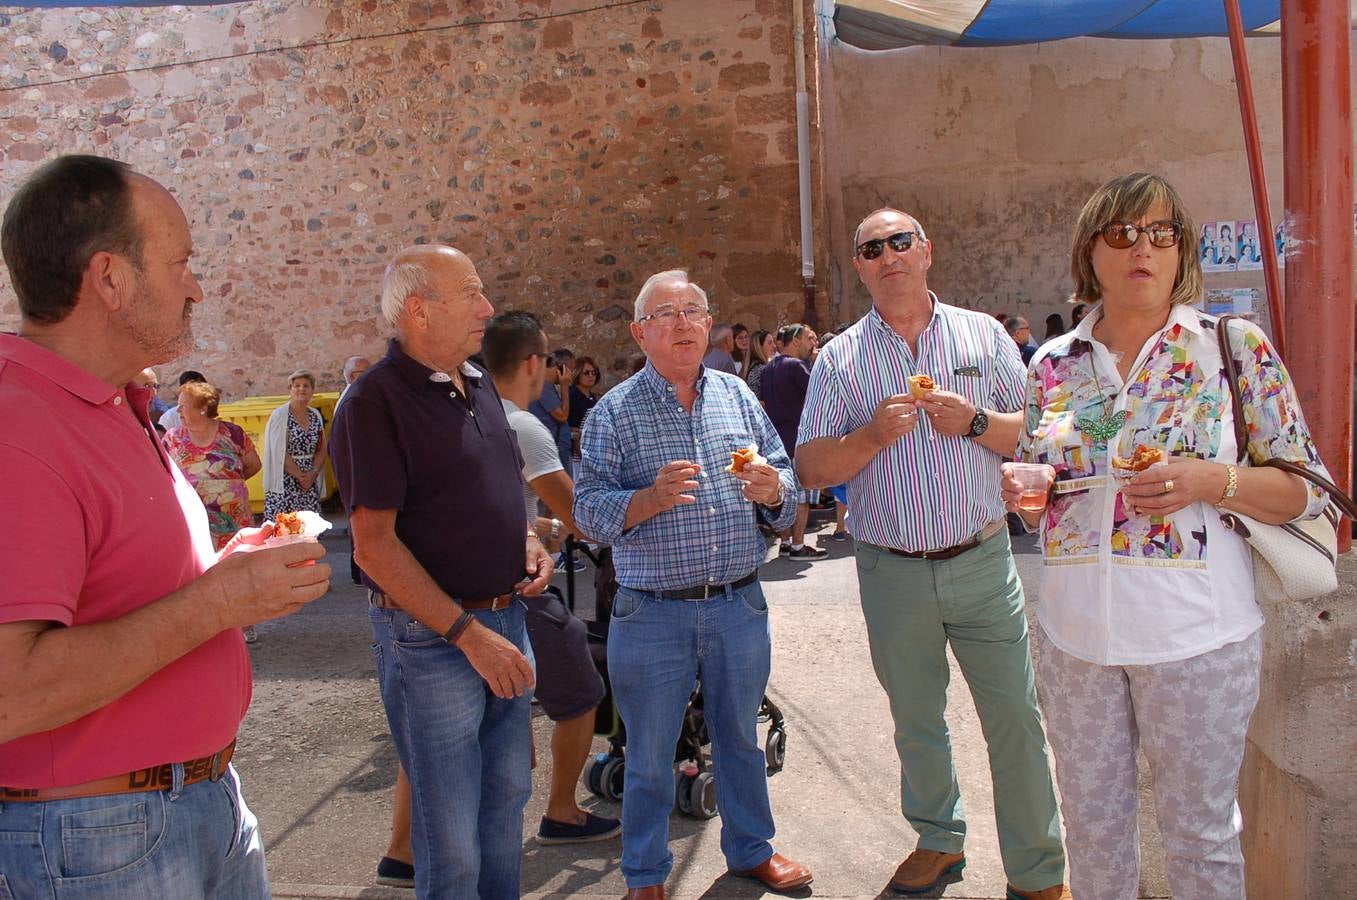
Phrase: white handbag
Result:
[1295,560]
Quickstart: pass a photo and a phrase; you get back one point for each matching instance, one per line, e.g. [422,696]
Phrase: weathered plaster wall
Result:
[997,149]
[572,154]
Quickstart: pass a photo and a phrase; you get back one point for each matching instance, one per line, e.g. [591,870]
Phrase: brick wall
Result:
[571,153]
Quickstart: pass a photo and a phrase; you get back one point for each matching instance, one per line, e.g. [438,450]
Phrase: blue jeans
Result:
[657,648]
[468,755]
[199,841]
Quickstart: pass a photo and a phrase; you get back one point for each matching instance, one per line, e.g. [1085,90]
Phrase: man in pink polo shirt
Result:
[123,675]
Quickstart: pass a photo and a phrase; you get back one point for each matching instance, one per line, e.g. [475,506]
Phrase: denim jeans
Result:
[657,648]
[468,755]
[194,843]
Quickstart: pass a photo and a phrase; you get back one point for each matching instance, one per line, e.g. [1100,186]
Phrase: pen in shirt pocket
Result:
[969,371]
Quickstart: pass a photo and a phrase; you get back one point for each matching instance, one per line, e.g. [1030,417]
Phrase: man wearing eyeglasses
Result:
[654,483]
[148,379]
[935,566]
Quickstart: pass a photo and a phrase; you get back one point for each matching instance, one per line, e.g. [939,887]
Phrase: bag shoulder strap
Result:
[1227,361]
[1231,369]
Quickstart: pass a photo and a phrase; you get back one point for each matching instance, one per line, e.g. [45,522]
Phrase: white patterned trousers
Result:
[1190,717]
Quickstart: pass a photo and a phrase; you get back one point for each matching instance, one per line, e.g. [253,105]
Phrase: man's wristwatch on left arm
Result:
[781,492]
[979,424]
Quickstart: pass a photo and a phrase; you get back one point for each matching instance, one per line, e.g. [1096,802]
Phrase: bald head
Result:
[876,213]
[410,272]
[434,298]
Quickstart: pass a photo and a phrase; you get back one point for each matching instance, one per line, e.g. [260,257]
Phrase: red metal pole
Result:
[1254,147]
[1317,136]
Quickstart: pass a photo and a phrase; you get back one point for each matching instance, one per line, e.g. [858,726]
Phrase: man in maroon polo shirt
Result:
[432,478]
[123,674]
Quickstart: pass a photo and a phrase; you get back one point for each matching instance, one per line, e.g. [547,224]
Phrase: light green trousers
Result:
[914,609]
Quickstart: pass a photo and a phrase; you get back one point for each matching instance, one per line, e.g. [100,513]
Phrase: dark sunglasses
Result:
[589,371]
[1121,235]
[900,242]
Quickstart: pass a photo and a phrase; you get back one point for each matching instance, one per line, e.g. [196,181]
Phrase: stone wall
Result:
[571,153]
[997,149]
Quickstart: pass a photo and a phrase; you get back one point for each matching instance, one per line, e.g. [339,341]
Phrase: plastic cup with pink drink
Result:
[1035,479]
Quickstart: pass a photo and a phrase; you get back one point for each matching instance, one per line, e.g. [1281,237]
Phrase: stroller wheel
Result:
[593,775]
[611,779]
[775,749]
[702,796]
[683,796]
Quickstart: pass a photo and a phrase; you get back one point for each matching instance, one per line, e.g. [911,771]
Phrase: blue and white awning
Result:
[887,24]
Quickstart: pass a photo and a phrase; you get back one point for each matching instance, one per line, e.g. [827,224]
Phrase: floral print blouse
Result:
[216,473]
[1125,589]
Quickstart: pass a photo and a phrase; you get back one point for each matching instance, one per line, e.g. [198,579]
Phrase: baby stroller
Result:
[694,783]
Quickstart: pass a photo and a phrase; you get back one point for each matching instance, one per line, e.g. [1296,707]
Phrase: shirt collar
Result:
[879,322]
[1084,330]
[416,373]
[66,374]
[651,376]
[1188,317]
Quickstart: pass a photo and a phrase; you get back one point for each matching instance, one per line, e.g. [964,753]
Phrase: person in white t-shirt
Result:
[569,686]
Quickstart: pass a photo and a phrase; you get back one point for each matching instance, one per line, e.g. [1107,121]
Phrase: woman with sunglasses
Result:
[584,393]
[1149,632]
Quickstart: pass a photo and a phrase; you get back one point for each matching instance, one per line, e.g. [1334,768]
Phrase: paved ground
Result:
[318,764]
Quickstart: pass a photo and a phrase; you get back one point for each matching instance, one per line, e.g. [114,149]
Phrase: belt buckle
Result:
[218,768]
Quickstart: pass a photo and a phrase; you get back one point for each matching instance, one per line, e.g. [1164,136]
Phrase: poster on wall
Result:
[1216,245]
[1232,301]
[1247,253]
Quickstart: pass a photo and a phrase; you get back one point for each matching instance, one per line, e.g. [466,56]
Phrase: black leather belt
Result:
[987,532]
[382,601]
[704,591]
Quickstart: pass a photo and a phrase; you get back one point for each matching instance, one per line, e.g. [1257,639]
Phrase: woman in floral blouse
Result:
[1149,633]
[216,457]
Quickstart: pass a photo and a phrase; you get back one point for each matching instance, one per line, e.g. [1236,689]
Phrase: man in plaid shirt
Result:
[654,484]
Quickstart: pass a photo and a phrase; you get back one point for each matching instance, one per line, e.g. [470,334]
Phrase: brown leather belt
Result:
[985,534]
[382,601]
[156,778]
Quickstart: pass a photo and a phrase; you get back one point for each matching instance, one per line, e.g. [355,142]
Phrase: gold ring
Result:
[1168,486]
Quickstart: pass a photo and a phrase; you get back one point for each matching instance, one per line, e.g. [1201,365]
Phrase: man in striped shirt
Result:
[654,484]
[934,562]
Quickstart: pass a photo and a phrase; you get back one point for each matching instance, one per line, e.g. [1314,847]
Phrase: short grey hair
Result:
[402,278]
[677,276]
[304,375]
[857,233]
[352,363]
[719,333]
